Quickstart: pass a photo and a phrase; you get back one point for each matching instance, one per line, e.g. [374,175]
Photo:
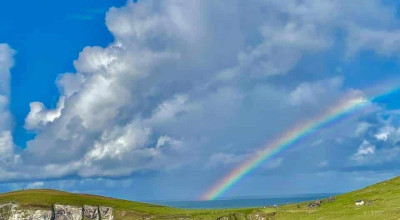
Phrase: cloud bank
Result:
[202,84]
[6,140]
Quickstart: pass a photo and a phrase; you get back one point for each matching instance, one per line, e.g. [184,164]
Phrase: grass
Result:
[383,199]
[383,203]
[124,209]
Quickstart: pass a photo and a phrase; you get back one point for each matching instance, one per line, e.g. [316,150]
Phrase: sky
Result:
[158,100]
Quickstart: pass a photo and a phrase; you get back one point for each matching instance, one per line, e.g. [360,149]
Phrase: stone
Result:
[7,210]
[10,211]
[31,215]
[106,213]
[67,212]
[91,212]
[252,216]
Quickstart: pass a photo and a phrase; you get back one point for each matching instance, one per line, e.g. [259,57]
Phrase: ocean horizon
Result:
[244,202]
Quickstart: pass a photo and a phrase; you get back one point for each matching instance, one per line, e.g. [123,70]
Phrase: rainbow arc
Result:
[346,106]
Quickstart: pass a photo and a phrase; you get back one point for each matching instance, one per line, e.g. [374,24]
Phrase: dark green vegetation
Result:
[382,202]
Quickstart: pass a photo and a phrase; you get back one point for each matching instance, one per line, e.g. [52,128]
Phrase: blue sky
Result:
[159,99]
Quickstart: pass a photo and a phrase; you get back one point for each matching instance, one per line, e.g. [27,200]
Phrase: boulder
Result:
[91,212]
[7,210]
[10,211]
[27,214]
[106,213]
[66,212]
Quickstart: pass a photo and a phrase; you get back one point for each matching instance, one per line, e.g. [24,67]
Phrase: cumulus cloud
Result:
[362,128]
[6,140]
[6,62]
[166,141]
[185,79]
[384,132]
[309,93]
[169,109]
[378,149]
[384,42]
[39,116]
[363,151]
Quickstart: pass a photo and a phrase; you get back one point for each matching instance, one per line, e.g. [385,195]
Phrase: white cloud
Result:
[6,63]
[122,145]
[362,128]
[364,150]
[384,42]
[282,48]
[166,141]
[6,145]
[309,93]
[39,116]
[6,140]
[69,83]
[154,98]
[169,109]
[384,132]
[35,185]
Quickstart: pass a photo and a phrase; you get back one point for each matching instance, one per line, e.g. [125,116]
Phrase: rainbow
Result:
[346,106]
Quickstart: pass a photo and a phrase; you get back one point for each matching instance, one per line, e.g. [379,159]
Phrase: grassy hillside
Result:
[123,209]
[383,202]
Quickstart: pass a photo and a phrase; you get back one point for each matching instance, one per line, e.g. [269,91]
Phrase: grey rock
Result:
[252,216]
[66,212]
[91,212]
[31,215]
[10,211]
[106,213]
[7,210]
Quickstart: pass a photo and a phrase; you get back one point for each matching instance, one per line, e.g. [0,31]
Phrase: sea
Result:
[244,202]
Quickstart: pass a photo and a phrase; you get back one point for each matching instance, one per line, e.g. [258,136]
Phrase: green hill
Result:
[382,201]
[123,209]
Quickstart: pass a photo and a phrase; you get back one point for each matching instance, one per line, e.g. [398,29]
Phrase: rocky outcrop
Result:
[11,211]
[251,216]
[91,212]
[66,212]
[6,210]
[106,213]
[32,215]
